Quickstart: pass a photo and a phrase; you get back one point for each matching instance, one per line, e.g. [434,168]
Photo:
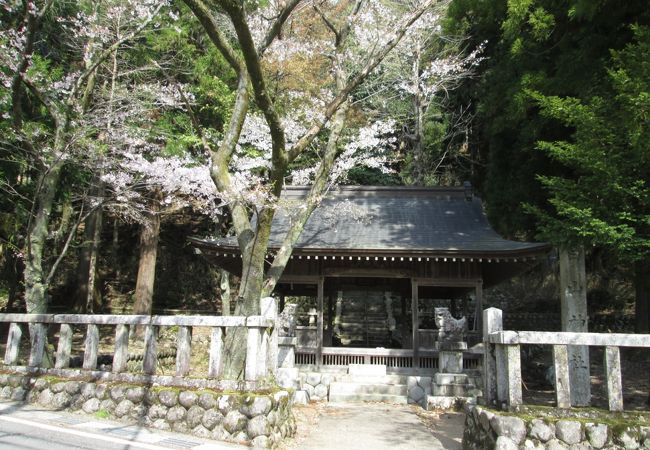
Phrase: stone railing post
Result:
[38,335]
[13,344]
[253,344]
[613,374]
[64,347]
[91,349]
[150,359]
[216,348]
[121,356]
[513,374]
[492,322]
[183,350]
[562,383]
[269,308]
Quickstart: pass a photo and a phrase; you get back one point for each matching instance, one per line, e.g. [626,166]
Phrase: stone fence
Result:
[502,361]
[261,346]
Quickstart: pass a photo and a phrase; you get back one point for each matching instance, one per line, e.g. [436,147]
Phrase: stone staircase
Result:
[364,322]
[369,384]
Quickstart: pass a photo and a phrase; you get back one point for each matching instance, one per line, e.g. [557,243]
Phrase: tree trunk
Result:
[247,303]
[418,110]
[34,275]
[87,293]
[642,304]
[149,234]
[573,297]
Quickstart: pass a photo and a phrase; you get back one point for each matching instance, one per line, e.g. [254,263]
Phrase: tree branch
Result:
[276,28]
[32,24]
[107,52]
[342,96]
[213,29]
[262,98]
[52,107]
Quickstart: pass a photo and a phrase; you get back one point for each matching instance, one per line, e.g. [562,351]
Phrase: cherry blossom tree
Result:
[63,91]
[256,42]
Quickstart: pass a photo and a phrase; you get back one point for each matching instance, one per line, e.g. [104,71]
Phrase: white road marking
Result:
[82,434]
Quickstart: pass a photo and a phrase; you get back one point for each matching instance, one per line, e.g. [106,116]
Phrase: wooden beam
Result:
[319,321]
[416,324]
[478,315]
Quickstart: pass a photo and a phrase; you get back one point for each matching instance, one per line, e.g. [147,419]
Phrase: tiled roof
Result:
[396,220]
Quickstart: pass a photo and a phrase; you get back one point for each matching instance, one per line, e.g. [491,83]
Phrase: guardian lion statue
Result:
[287,321]
[449,329]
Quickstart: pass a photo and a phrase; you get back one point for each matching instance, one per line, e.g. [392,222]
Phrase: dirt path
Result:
[375,426]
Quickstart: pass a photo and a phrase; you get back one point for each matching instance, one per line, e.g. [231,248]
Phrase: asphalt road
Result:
[28,427]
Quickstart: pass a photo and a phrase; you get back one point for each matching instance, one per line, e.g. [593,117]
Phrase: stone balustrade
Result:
[261,346]
[502,363]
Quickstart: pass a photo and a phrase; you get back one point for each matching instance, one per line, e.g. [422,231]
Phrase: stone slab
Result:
[450,378]
[378,370]
[443,402]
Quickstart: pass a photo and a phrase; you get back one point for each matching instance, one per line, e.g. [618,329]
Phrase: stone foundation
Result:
[316,384]
[487,429]
[260,419]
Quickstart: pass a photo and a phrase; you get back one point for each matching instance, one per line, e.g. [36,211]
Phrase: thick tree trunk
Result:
[642,305]
[573,297]
[247,304]
[149,234]
[34,274]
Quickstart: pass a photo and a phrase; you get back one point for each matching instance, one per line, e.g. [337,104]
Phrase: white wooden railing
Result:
[261,347]
[502,361]
[395,360]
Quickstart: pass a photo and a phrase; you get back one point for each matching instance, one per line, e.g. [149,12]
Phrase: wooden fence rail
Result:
[502,362]
[261,351]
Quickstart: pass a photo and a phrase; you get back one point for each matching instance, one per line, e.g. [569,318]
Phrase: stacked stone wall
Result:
[261,419]
[316,384]
[486,430]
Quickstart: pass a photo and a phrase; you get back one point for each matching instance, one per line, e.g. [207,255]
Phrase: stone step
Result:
[338,388]
[353,398]
[453,390]
[379,324]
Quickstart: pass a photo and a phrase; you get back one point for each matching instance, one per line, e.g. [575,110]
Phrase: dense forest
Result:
[128,126]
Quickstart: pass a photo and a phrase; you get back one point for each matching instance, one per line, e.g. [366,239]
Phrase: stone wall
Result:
[316,384]
[487,429]
[261,419]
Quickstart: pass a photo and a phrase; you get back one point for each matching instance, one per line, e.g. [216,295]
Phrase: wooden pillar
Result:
[573,298]
[478,314]
[319,322]
[416,324]
[330,318]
